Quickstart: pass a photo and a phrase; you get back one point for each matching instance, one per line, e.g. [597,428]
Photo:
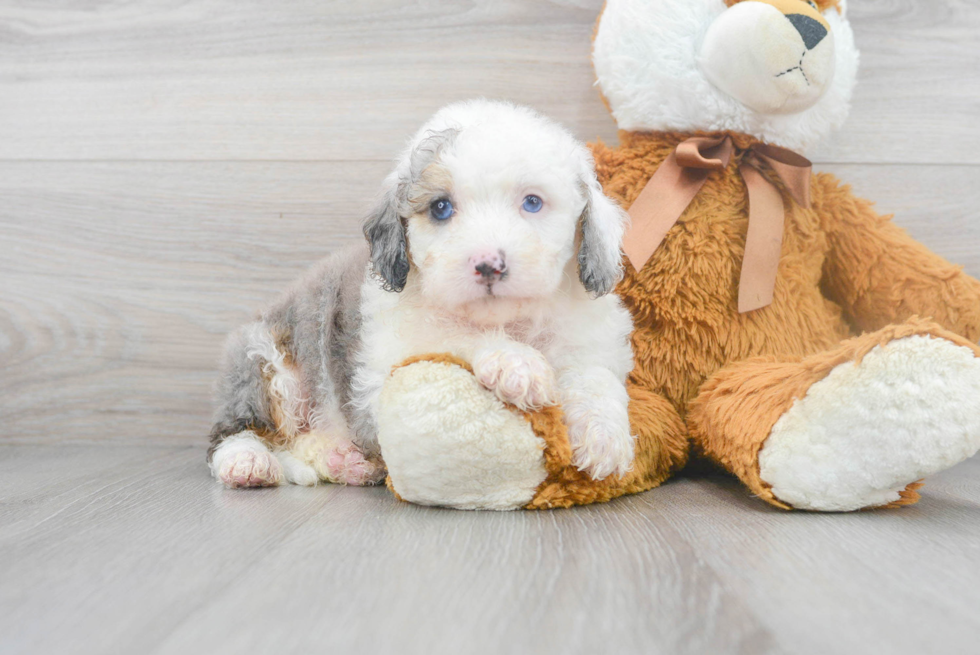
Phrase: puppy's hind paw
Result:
[348,465]
[337,459]
[518,375]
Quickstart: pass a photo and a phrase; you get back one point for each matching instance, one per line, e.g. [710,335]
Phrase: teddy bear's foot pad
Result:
[449,441]
[243,460]
[860,436]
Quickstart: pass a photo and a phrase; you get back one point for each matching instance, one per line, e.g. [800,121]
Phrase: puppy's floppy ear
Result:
[600,258]
[385,227]
[385,232]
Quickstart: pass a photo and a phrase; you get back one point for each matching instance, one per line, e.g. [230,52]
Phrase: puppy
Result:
[493,242]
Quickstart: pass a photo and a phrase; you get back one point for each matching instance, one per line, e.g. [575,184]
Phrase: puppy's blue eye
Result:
[442,209]
[532,204]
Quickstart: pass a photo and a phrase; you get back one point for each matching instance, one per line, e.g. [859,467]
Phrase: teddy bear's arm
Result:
[880,275]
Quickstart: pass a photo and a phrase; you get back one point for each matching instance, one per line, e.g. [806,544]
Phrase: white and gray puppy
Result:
[493,242]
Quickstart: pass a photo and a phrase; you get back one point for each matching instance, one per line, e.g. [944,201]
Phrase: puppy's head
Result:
[492,203]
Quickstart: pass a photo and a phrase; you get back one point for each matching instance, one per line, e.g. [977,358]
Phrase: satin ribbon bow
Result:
[681,176]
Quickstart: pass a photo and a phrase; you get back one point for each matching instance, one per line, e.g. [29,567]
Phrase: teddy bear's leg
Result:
[661,449]
[449,441]
[846,429]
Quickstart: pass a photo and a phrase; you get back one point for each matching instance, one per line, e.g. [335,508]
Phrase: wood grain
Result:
[342,81]
[113,549]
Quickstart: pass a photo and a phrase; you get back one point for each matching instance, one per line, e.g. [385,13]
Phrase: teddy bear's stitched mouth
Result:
[798,67]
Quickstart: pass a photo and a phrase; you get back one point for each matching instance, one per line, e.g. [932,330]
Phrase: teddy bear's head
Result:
[779,70]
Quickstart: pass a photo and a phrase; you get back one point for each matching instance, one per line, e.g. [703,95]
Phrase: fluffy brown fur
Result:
[661,450]
[738,406]
[843,270]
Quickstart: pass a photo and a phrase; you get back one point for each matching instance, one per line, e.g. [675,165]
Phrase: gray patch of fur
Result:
[385,232]
[600,268]
[318,321]
[385,227]
[427,152]
[241,400]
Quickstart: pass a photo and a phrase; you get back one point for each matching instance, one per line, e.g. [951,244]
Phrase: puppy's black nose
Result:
[489,266]
[487,270]
[811,30]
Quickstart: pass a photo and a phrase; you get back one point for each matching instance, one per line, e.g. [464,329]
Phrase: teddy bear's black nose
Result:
[811,30]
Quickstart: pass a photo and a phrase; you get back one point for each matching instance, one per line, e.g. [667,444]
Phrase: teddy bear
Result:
[784,331]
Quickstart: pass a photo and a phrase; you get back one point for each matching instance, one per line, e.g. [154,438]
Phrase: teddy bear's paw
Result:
[860,436]
[336,459]
[243,460]
[449,441]
[517,374]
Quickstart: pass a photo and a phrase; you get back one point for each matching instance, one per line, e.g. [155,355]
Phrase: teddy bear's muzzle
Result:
[772,56]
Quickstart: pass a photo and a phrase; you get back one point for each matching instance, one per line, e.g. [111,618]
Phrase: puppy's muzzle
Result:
[489,267]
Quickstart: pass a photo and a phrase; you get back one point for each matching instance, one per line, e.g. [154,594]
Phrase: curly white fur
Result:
[522,294]
[539,321]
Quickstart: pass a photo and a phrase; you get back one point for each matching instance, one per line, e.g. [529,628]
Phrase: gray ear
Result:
[600,258]
[385,232]
[385,227]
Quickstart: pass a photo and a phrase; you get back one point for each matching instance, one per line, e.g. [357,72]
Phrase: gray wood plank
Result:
[107,553]
[168,79]
[216,79]
[895,581]
[123,278]
[417,580]
[120,280]
[961,483]
[918,86]
[111,562]
[159,558]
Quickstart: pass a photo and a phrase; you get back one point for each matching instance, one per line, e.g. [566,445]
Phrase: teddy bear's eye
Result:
[812,4]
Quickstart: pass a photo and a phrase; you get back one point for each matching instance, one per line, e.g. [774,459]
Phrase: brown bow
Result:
[681,176]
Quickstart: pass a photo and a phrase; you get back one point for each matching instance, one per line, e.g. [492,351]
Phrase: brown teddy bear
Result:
[784,330]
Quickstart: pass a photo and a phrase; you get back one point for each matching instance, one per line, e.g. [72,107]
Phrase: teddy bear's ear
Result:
[385,233]
[600,257]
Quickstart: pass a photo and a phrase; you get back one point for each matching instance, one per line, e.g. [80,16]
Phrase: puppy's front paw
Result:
[518,375]
[601,448]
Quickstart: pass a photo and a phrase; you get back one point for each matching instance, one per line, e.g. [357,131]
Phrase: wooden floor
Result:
[166,166]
